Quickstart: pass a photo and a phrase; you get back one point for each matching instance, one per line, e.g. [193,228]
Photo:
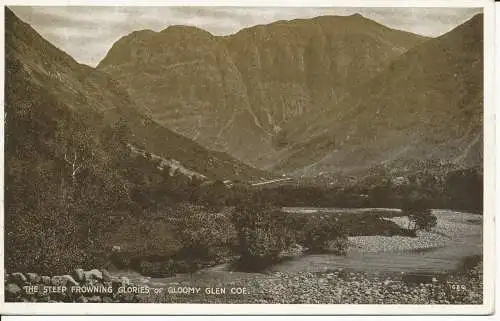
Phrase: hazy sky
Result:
[87,33]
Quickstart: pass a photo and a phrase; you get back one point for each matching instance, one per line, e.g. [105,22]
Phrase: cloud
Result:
[87,33]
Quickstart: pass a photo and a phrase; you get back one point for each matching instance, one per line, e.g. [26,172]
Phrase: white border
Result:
[287,309]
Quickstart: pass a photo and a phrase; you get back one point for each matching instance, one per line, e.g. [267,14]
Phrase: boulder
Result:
[79,275]
[81,299]
[33,278]
[106,277]
[69,281]
[57,280]
[94,274]
[44,298]
[46,280]
[94,299]
[124,280]
[19,278]
[13,291]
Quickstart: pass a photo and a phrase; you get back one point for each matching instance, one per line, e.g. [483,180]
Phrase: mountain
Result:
[235,93]
[427,104]
[41,78]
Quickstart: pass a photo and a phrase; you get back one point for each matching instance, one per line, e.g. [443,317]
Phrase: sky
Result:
[87,33]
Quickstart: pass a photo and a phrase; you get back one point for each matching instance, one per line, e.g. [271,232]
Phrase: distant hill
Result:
[426,105]
[42,78]
[235,93]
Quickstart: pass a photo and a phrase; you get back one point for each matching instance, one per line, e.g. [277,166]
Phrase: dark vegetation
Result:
[431,185]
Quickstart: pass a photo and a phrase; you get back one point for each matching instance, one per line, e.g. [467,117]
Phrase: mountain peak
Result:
[185,29]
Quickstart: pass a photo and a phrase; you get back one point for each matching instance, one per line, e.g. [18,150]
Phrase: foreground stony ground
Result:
[331,287]
[328,287]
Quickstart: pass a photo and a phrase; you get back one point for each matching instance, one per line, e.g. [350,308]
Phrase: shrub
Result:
[321,232]
[203,233]
[422,219]
[415,206]
[263,234]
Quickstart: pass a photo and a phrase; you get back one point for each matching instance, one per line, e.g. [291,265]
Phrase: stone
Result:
[45,298]
[115,283]
[19,278]
[46,280]
[79,275]
[12,291]
[81,299]
[57,280]
[124,280]
[94,274]
[106,277]
[107,300]
[94,299]
[69,281]
[33,278]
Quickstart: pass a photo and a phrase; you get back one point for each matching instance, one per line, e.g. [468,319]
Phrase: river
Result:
[457,236]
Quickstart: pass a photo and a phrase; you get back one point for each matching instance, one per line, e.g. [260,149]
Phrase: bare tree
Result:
[75,163]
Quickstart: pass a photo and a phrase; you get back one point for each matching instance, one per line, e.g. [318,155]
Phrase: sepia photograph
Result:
[253,156]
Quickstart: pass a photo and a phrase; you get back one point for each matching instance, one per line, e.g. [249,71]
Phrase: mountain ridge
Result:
[442,73]
[232,93]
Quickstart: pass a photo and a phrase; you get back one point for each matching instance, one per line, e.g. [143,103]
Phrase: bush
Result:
[203,233]
[422,219]
[415,206]
[322,234]
[263,234]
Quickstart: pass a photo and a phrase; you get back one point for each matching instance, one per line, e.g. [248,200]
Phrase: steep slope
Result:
[235,93]
[428,104]
[33,65]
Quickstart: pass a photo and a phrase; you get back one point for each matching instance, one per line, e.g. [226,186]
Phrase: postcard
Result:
[248,158]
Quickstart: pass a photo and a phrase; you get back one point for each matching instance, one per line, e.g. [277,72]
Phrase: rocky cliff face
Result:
[236,93]
[428,104]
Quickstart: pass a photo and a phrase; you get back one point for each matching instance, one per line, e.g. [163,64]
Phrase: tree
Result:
[321,232]
[423,220]
[415,206]
[262,234]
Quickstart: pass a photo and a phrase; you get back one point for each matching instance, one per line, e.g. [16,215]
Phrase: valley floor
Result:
[377,270]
